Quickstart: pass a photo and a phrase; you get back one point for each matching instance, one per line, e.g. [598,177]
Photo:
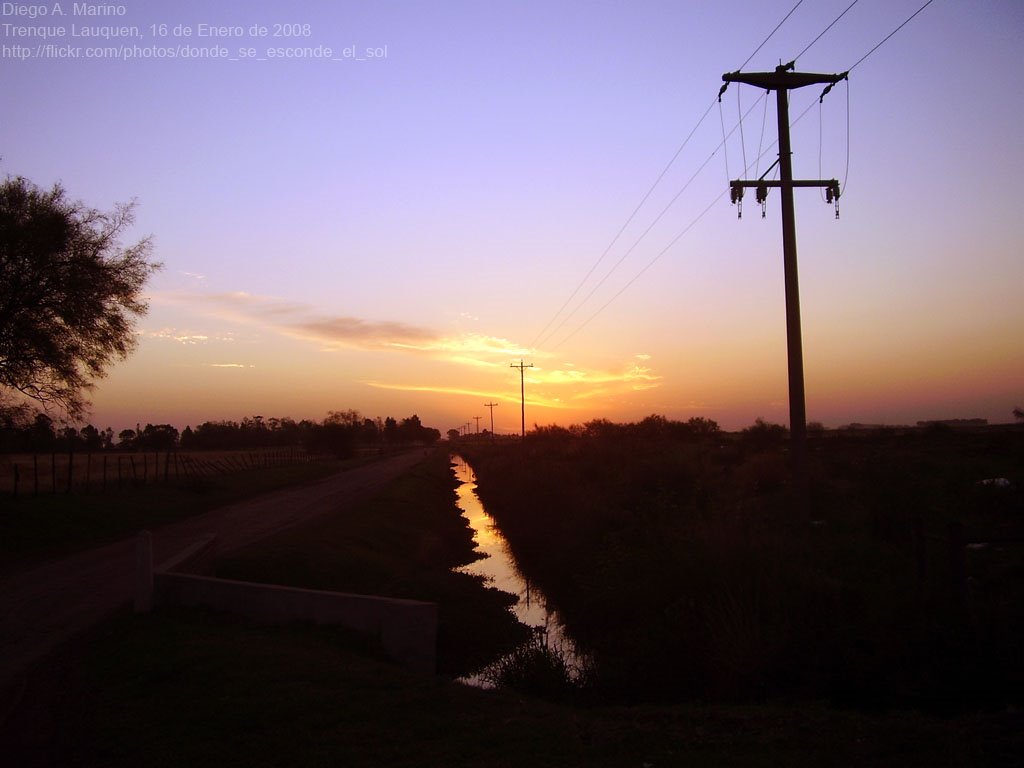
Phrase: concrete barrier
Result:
[406,629]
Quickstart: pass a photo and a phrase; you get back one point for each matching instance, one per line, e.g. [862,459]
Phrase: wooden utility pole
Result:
[783,80]
[491,406]
[478,423]
[522,389]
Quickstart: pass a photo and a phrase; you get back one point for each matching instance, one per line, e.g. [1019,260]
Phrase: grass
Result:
[687,571]
[185,687]
[191,688]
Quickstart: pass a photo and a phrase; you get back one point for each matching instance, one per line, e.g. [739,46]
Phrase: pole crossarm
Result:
[782,78]
[778,183]
[736,187]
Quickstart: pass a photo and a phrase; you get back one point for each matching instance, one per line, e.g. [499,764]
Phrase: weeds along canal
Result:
[498,567]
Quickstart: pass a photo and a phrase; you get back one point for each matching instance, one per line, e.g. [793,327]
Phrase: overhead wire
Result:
[628,221]
[886,38]
[701,215]
[678,237]
[743,141]
[650,226]
[771,34]
[826,29]
[760,142]
[658,181]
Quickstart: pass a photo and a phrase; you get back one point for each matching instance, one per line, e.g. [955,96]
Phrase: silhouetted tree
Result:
[92,439]
[763,435]
[69,293]
[161,437]
[1018,414]
[43,436]
[126,439]
[702,427]
[390,430]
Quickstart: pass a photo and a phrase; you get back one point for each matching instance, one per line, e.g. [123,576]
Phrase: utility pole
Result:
[478,423]
[522,388]
[783,80]
[491,406]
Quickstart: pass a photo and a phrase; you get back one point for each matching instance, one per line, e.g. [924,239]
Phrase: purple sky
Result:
[389,234]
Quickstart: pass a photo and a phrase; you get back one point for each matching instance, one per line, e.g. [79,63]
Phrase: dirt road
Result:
[42,606]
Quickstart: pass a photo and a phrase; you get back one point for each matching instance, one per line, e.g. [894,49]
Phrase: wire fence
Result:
[100,472]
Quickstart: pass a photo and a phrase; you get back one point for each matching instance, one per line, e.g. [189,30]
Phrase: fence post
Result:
[920,549]
[957,554]
[144,572]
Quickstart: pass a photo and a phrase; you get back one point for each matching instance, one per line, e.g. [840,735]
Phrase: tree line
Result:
[340,433]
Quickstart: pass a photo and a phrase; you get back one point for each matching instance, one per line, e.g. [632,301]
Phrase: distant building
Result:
[954,423]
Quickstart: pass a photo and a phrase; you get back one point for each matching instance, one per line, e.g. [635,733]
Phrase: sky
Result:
[455,186]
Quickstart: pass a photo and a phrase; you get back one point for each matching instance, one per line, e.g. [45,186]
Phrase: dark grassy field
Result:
[192,688]
[690,570]
[184,688]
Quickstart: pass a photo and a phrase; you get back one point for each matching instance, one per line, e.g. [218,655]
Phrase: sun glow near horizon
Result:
[390,236]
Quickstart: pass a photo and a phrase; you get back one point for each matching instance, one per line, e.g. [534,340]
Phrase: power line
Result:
[643,200]
[777,26]
[650,226]
[624,226]
[757,159]
[637,276]
[826,29]
[491,406]
[544,335]
[676,239]
[522,388]
[886,38]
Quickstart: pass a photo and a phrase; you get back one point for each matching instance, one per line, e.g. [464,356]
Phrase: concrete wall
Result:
[407,629]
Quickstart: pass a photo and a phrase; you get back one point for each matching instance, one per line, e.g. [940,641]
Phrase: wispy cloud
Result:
[555,388]
[184,337]
[354,332]
[550,384]
[335,332]
[229,365]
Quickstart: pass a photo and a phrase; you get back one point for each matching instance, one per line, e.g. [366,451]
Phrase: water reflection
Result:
[499,567]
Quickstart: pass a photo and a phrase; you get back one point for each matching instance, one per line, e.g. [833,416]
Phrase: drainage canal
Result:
[499,568]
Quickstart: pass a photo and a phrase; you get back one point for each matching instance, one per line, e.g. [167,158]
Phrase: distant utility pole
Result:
[783,80]
[478,423]
[491,406]
[522,388]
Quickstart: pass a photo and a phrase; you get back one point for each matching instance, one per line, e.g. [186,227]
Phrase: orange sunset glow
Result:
[391,235]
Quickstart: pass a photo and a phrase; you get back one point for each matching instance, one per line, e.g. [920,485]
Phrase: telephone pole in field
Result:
[783,80]
[478,423]
[522,389]
[491,406]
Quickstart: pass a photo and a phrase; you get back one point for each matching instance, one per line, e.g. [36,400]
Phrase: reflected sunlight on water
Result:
[499,567]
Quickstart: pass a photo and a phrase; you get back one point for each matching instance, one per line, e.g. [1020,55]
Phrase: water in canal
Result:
[499,566]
